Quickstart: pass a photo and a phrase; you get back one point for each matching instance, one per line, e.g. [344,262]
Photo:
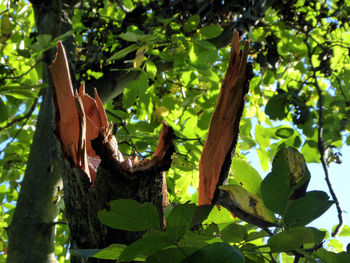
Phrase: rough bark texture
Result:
[144,183]
[83,125]
[224,126]
[32,231]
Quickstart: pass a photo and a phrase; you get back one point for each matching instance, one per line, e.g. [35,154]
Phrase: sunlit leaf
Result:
[151,69]
[246,176]
[140,53]
[192,23]
[294,238]
[3,111]
[122,53]
[246,206]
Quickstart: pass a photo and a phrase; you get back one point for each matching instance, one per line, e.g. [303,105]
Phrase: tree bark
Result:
[32,231]
[223,132]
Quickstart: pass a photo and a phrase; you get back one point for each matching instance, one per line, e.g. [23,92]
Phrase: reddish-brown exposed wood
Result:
[79,117]
[223,129]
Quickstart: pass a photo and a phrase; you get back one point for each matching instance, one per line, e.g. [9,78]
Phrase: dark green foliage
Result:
[129,215]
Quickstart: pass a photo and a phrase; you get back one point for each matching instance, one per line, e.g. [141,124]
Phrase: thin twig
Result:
[133,146]
[190,139]
[26,116]
[15,136]
[5,11]
[23,74]
[321,146]
[341,89]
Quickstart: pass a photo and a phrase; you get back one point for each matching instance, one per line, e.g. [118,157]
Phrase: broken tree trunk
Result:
[223,132]
[95,172]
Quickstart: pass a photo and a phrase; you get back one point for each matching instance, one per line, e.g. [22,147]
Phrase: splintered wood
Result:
[81,119]
[224,124]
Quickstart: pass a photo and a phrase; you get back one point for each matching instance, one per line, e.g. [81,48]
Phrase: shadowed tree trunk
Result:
[32,231]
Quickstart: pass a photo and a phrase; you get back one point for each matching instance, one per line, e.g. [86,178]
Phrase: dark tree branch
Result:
[23,74]
[131,144]
[25,116]
[321,145]
[190,139]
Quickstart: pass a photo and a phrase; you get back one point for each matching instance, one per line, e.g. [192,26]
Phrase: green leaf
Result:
[219,216]
[203,52]
[3,111]
[275,188]
[135,88]
[44,40]
[200,214]
[192,23]
[261,135]
[171,255]
[216,252]
[6,25]
[24,53]
[128,4]
[284,132]
[234,233]
[111,252]
[146,246]
[88,253]
[123,52]
[130,94]
[130,36]
[268,78]
[211,31]
[3,189]
[192,239]
[275,108]
[179,221]
[130,215]
[245,175]
[331,257]
[310,151]
[294,238]
[302,211]
[246,206]
[151,69]
[345,232]
[263,157]
[288,180]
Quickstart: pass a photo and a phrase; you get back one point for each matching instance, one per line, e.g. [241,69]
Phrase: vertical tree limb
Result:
[224,126]
[321,146]
[31,233]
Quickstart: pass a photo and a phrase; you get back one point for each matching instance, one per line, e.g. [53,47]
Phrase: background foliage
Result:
[299,96]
